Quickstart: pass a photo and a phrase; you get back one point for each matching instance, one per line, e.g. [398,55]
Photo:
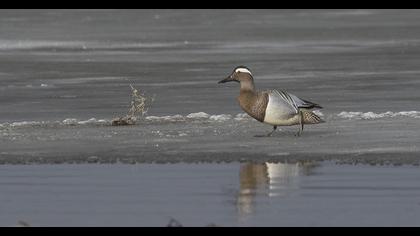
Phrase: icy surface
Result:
[198,115]
[372,115]
[65,75]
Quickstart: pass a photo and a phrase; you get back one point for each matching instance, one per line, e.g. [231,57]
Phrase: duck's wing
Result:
[295,101]
[282,101]
[304,103]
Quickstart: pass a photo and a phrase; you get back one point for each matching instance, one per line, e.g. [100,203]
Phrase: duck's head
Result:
[239,74]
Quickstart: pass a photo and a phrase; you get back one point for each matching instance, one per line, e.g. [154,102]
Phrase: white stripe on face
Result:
[244,70]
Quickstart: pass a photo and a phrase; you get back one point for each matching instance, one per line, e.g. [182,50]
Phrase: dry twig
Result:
[138,108]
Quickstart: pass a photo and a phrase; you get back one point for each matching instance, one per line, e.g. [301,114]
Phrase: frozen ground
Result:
[58,69]
[221,139]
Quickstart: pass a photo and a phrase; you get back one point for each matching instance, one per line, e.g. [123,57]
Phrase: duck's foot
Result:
[299,133]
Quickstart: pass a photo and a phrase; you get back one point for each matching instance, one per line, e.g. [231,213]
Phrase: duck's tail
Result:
[311,118]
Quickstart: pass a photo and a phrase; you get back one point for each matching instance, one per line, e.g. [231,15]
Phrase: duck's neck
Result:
[247,94]
[247,86]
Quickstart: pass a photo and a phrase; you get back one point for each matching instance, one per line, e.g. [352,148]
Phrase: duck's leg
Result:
[267,135]
[274,129]
[300,123]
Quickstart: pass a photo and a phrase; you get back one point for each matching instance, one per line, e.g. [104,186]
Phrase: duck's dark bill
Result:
[228,79]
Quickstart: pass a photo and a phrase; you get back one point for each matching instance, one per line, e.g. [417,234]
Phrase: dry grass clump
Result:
[140,103]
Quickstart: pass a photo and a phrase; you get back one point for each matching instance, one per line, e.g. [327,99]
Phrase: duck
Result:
[272,107]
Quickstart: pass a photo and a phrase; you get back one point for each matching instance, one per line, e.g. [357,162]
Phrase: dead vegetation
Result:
[139,105]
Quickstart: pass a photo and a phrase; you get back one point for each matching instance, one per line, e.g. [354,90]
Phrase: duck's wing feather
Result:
[295,101]
[282,101]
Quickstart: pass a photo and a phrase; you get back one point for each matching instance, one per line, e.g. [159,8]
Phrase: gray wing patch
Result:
[287,98]
[295,101]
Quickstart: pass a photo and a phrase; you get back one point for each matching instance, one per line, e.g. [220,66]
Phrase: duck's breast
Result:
[254,104]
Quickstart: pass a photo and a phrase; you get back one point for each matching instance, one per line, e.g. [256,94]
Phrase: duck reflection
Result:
[268,179]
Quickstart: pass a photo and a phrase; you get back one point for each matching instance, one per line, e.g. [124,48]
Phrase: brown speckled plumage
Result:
[254,103]
[311,118]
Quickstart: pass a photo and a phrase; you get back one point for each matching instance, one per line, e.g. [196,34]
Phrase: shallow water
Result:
[246,194]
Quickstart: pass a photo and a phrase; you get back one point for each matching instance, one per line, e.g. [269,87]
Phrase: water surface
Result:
[235,194]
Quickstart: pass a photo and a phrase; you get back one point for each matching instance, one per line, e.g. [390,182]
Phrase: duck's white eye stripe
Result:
[243,70]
